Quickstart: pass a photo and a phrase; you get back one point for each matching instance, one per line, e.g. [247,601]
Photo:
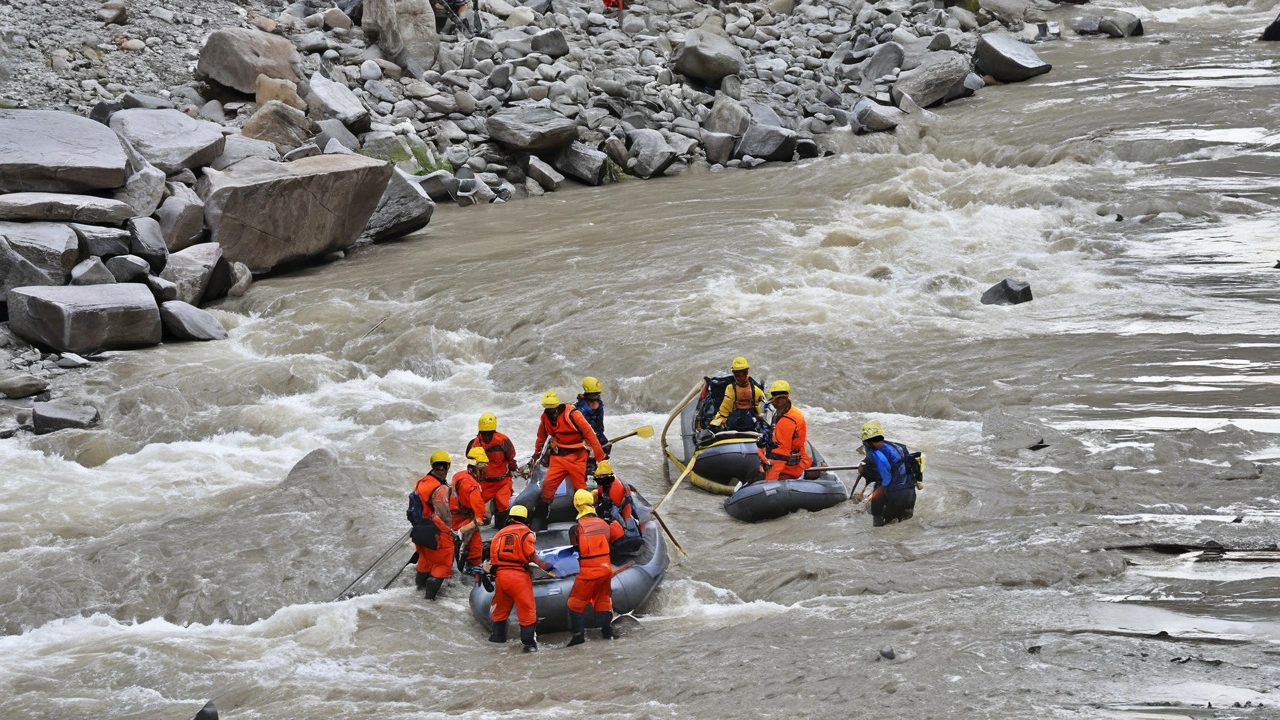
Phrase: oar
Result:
[644,432]
[375,564]
[667,530]
[413,560]
[687,469]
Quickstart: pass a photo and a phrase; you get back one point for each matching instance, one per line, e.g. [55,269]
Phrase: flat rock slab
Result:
[1008,59]
[50,151]
[264,213]
[82,319]
[54,416]
[183,321]
[52,247]
[22,386]
[532,130]
[235,57]
[69,208]
[169,139]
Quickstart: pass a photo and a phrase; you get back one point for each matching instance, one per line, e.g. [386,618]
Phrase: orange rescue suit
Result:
[592,537]
[495,483]
[618,495]
[570,435]
[438,562]
[466,504]
[789,457]
[511,550]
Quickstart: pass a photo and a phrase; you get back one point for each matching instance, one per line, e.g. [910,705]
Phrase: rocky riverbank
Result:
[154,157]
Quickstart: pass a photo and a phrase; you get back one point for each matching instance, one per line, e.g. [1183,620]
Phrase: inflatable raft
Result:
[766,500]
[631,587]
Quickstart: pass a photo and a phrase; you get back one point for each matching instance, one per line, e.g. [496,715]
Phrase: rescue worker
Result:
[435,564]
[467,506]
[611,494]
[510,552]
[592,586]
[570,436]
[784,446]
[592,408]
[740,408]
[495,479]
[886,469]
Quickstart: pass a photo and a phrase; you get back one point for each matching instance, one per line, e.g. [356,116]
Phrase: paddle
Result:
[386,554]
[687,469]
[645,431]
[667,530]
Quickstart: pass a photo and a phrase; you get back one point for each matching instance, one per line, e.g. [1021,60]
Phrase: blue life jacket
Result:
[595,418]
[890,465]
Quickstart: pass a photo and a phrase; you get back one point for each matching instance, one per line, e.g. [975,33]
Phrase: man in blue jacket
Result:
[888,469]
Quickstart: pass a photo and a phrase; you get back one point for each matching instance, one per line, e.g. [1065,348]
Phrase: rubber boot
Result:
[577,626]
[541,516]
[421,580]
[606,624]
[528,638]
[499,634]
[500,519]
[433,587]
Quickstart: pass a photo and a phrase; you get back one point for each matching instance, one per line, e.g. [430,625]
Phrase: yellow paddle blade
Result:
[645,432]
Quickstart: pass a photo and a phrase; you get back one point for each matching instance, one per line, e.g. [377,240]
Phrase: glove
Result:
[919,485]
[591,466]
[457,536]
[608,448]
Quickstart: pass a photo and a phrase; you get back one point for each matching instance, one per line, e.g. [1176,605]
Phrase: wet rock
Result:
[532,129]
[1007,292]
[1120,24]
[333,100]
[163,290]
[100,241]
[84,319]
[208,712]
[550,42]
[652,154]
[54,416]
[91,272]
[403,208]
[766,142]
[22,386]
[239,147]
[147,242]
[718,146]
[1239,470]
[406,32]
[265,213]
[191,269]
[53,248]
[235,57]
[181,218]
[1008,59]
[183,321]
[884,61]
[285,91]
[728,116]
[875,117]
[49,151]
[1272,31]
[928,83]
[241,278]
[57,206]
[543,174]
[72,361]
[440,185]
[169,139]
[127,268]
[285,127]
[1086,25]
[887,652]
[707,57]
[583,162]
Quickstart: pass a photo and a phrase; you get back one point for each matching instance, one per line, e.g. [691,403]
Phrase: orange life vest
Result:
[564,431]
[425,488]
[593,548]
[511,547]
[744,398]
[790,437]
[499,464]
[465,501]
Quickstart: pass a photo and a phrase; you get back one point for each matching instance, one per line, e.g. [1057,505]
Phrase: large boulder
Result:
[929,83]
[181,218]
[91,272]
[547,177]
[144,189]
[147,242]
[707,57]
[582,162]
[1120,24]
[333,100]
[406,32]
[45,150]
[47,417]
[1272,31]
[54,248]
[265,213]
[532,129]
[169,139]
[57,206]
[766,142]
[22,386]
[651,152]
[191,270]
[85,318]
[1007,292]
[886,58]
[183,321]
[728,116]
[404,207]
[16,270]
[1008,59]
[284,127]
[874,117]
[101,241]
[235,57]
[1011,11]
[239,147]
[549,42]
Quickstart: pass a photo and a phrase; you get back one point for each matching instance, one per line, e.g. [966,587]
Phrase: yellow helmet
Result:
[603,468]
[477,455]
[739,363]
[584,502]
[488,422]
[591,385]
[518,511]
[779,387]
[441,456]
[550,399]
[872,429]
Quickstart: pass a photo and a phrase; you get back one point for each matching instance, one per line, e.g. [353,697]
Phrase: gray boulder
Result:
[1007,292]
[719,146]
[1120,24]
[181,218]
[334,131]
[403,208]
[163,290]
[128,268]
[101,241]
[147,242]
[728,116]
[532,129]
[406,32]
[550,42]
[707,57]
[440,186]
[49,151]
[1011,11]
[333,100]
[47,417]
[235,57]
[183,321]
[1272,32]
[766,142]
[239,147]
[87,318]
[53,248]
[582,162]
[874,117]
[1007,59]
[547,177]
[169,139]
[91,272]
[16,270]
[191,269]
[22,386]
[264,213]
[285,127]
[929,83]
[57,206]
[886,58]
[144,189]
[652,154]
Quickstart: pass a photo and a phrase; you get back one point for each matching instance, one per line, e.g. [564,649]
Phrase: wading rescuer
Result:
[510,551]
[495,478]
[432,533]
[743,399]
[894,471]
[592,537]
[570,436]
[592,408]
[784,446]
[467,506]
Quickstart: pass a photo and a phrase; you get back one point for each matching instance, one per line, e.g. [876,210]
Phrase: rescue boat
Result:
[767,500]
[631,587]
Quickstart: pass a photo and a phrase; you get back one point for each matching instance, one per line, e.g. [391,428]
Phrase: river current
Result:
[160,560]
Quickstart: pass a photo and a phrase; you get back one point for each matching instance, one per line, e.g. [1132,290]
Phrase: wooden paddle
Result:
[645,431]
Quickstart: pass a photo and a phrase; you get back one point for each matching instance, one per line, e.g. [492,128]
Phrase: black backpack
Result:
[424,532]
[710,399]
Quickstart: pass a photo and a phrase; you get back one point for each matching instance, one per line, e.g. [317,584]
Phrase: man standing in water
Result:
[740,408]
[432,533]
[570,435]
[495,478]
[592,537]
[467,506]
[592,408]
[784,446]
[888,468]
[511,550]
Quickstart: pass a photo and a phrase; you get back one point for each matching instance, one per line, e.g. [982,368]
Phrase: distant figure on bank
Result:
[592,537]
[742,403]
[895,474]
[569,436]
[495,479]
[510,552]
[432,531]
[784,446]
[592,408]
[467,505]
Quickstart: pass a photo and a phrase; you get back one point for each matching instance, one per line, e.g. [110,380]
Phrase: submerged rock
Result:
[1007,292]
[1008,59]
[50,417]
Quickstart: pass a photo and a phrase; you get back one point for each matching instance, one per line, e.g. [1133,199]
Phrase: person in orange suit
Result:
[435,552]
[593,585]
[784,454]
[570,436]
[467,506]
[495,479]
[510,552]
